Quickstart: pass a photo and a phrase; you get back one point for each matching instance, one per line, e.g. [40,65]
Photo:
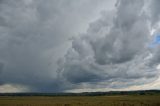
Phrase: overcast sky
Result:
[79,45]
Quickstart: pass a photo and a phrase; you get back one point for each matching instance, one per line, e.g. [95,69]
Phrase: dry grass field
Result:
[81,101]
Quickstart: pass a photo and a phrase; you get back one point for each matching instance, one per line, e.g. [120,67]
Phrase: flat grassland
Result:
[130,100]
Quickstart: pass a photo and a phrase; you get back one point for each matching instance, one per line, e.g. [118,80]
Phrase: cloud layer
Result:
[45,45]
[114,52]
[34,34]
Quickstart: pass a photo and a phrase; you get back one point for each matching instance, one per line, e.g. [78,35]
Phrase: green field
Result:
[145,100]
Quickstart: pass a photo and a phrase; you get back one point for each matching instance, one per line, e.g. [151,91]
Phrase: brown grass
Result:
[81,101]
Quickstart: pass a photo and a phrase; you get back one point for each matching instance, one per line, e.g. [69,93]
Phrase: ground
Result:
[136,100]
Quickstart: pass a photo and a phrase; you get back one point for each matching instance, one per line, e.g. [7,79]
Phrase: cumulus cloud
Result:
[34,34]
[59,45]
[114,52]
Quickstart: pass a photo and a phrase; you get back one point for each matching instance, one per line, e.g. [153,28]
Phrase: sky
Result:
[79,45]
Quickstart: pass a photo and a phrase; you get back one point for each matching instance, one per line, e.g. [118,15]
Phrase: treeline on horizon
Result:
[110,93]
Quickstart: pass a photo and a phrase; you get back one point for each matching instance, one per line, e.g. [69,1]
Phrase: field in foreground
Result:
[145,100]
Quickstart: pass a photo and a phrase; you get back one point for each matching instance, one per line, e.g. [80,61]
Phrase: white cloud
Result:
[10,88]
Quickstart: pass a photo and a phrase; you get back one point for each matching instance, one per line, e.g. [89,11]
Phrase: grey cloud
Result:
[156,57]
[117,54]
[112,53]
[154,11]
[1,67]
[155,19]
[34,34]
[121,44]
[79,74]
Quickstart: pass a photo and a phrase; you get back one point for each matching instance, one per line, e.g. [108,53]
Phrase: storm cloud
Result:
[60,45]
[34,34]
[114,52]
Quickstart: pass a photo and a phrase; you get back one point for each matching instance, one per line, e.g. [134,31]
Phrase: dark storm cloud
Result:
[1,67]
[114,52]
[34,34]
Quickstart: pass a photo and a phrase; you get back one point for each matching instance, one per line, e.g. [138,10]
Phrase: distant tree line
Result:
[111,93]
